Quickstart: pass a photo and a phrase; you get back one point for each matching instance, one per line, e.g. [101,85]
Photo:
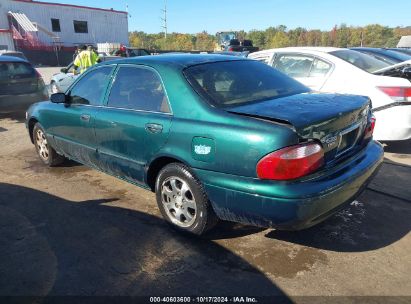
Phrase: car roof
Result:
[177,60]
[11,58]
[9,52]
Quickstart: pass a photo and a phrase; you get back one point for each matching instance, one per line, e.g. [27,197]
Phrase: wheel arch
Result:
[32,122]
[155,167]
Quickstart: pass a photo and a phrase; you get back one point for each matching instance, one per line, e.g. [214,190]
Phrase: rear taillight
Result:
[40,81]
[397,93]
[370,128]
[230,49]
[38,75]
[291,162]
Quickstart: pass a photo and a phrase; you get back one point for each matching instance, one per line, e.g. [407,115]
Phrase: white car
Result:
[345,71]
[61,81]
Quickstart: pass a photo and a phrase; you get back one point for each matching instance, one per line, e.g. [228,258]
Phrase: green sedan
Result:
[215,137]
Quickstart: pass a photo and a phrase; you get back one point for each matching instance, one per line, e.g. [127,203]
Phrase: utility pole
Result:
[362,38]
[164,19]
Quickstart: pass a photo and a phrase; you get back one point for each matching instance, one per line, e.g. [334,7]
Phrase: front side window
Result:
[55,25]
[294,65]
[138,89]
[233,83]
[90,89]
[80,26]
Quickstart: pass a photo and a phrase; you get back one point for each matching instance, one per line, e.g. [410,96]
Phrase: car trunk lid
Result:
[337,121]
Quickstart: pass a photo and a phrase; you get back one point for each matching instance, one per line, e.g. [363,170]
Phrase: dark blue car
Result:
[389,56]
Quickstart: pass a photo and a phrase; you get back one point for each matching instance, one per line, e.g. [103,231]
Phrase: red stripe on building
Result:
[5,31]
[72,5]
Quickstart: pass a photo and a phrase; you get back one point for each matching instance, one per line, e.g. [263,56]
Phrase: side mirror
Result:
[59,98]
[406,72]
[63,70]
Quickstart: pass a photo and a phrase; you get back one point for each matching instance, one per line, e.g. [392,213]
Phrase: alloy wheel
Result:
[41,143]
[179,202]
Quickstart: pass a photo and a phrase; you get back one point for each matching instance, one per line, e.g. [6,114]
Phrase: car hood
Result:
[59,75]
[313,115]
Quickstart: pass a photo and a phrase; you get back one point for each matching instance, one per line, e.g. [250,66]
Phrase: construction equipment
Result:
[229,41]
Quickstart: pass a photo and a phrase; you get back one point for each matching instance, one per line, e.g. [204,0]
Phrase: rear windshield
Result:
[363,61]
[234,83]
[16,70]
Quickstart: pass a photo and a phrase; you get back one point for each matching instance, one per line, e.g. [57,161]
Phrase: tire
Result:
[46,153]
[182,200]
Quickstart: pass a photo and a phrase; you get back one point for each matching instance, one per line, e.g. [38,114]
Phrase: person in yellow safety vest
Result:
[85,59]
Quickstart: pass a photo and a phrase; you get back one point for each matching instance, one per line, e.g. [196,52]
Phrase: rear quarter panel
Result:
[238,142]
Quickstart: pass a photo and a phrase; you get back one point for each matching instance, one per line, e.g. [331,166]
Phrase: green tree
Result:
[279,40]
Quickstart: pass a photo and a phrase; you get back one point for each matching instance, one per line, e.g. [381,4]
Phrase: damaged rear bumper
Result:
[291,205]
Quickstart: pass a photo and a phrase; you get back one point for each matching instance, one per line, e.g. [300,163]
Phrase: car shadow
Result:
[230,230]
[379,217]
[18,115]
[400,147]
[60,247]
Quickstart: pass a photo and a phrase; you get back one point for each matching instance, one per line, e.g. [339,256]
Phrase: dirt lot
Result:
[71,230]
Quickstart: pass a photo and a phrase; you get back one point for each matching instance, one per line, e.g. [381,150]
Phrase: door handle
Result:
[154,128]
[85,117]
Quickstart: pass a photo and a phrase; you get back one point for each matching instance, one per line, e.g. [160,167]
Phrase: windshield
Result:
[226,37]
[360,60]
[233,83]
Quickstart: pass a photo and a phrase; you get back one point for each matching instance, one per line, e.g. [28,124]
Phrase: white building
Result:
[405,42]
[29,25]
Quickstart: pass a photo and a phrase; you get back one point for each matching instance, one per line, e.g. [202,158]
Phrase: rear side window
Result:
[231,83]
[138,89]
[320,68]
[90,89]
[16,70]
[294,65]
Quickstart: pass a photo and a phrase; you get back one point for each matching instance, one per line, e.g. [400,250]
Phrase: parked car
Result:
[13,54]
[389,56]
[214,137]
[131,52]
[20,84]
[232,53]
[350,72]
[61,81]
[401,50]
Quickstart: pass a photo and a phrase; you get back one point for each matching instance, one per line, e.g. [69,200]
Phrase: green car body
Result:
[222,147]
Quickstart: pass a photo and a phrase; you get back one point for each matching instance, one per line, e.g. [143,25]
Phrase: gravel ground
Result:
[71,230]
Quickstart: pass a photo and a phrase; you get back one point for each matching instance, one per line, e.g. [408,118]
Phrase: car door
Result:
[309,70]
[72,124]
[134,124]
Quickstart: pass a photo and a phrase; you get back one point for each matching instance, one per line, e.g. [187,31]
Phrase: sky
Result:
[187,16]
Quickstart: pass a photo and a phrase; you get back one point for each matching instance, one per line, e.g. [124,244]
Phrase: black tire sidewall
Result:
[203,207]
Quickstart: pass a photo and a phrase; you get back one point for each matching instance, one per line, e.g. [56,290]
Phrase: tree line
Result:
[373,35]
